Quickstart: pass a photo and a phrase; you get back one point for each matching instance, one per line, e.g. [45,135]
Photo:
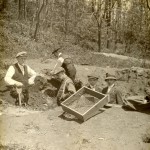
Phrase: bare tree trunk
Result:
[52,15]
[24,6]
[148,5]
[108,19]
[45,19]
[93,6]
[38,21]
[19,8]
[99,36]
[66,16]
[98,18]
[117,23]
[4,4]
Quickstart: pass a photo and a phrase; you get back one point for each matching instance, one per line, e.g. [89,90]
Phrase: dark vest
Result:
[18,76]
[67,61]
[69,67]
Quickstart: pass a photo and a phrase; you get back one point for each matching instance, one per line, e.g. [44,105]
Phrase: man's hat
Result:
[56,50]
[58,70]
[21,54]
[93,76]
[110,77]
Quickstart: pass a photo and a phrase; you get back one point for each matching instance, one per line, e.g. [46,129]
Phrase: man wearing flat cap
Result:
[20,75]
[65,62]
[115,96]
[92,82]
[67,87]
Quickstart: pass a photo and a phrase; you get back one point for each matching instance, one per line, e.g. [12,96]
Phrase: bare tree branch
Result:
[148,5]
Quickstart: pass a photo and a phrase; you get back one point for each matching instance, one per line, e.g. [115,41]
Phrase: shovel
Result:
[19,91]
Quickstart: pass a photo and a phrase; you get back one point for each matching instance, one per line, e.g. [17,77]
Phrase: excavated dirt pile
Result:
[42,94]
[133,81]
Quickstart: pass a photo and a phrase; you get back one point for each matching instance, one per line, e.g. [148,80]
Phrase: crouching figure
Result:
[67,87]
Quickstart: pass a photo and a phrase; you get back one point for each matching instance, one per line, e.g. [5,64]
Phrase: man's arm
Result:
[58,64]
[71,90]
[104,90]
[32,75]
[98,89]
[119,97]
[8,77]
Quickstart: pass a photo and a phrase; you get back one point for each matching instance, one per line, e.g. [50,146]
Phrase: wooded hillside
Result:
[116,26]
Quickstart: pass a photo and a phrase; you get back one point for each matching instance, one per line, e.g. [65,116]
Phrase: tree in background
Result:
[97,25]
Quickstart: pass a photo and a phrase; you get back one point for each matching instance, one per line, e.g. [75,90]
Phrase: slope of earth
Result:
[114,129]
[132,81]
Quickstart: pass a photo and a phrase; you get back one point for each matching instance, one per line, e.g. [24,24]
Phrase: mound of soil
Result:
[133,81]
[42,95]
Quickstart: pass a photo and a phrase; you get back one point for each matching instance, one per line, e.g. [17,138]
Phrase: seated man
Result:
[114,93]
[20,76]
[92,82]
[67,87]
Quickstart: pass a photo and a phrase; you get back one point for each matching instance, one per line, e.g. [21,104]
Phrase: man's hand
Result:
[117,106]
[30,82]
[52,72]
[19,84]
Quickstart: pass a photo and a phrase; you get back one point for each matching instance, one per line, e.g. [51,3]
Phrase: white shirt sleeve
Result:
[32,74]
[61,59]
[8,77]
[59,63]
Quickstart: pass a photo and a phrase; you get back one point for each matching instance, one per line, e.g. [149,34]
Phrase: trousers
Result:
[24,95]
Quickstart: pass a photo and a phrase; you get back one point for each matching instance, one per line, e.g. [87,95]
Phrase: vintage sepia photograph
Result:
[74,74]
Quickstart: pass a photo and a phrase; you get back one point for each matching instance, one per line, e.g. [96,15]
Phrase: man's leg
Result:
[71,72]
[25,96]
[14,94]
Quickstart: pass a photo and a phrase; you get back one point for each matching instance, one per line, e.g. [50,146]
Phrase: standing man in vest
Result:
[20,76]
[66,63]
[67,87]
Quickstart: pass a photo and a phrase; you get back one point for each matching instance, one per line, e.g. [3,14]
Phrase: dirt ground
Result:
[113,129]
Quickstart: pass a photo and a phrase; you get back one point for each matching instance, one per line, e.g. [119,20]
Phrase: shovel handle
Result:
[19,91]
